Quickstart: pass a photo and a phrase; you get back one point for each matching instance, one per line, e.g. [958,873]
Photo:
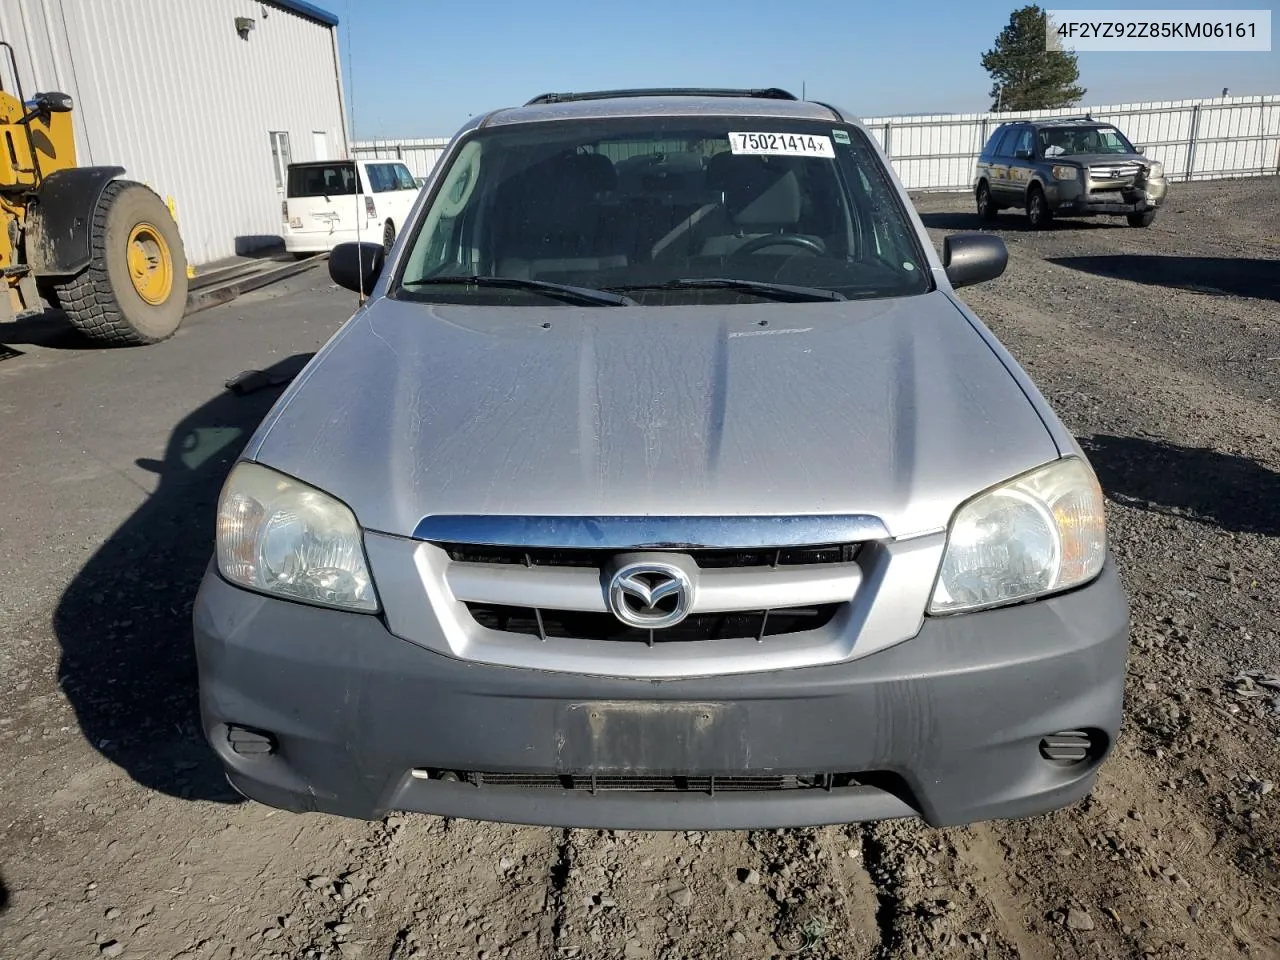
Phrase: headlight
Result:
[279,536]
[1155,171]
[1062,172]
[1037,534]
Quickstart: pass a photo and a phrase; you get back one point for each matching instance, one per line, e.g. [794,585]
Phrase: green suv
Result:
[1067,167]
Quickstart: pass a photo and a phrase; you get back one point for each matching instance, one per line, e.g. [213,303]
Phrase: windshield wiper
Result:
[774,291]
[561,291]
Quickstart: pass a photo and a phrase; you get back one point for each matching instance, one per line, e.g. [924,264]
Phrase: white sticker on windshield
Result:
[781,144]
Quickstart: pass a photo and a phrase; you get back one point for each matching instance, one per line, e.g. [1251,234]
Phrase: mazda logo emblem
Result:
[650,595]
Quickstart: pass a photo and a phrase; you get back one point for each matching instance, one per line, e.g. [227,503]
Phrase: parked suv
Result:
[663,481]
[1067,168]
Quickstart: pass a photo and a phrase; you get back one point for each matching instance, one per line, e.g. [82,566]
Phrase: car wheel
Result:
[987,210]
[1038,209]
[388,236]
[1144,219]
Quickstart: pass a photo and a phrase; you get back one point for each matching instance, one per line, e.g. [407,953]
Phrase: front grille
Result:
[1114,178]
[651,783]
[705,558]
[579,625]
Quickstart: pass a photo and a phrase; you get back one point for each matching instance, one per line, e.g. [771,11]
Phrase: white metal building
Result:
[204,100]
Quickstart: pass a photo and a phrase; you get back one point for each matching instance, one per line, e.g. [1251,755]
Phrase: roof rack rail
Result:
[1051,120]
[767,93]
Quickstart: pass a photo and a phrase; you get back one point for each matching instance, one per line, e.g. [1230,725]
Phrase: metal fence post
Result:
[888,139]
[1191,146]
[1265,128]
[982,140]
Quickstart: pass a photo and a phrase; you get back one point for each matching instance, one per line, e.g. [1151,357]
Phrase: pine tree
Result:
[1030,76]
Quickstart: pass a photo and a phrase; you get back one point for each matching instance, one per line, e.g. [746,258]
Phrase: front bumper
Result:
[946,726]
[1074,198]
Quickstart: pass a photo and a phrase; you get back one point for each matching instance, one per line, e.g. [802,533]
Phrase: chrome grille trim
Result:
[1116,175]
[716,590]
[705,558]
[651,533]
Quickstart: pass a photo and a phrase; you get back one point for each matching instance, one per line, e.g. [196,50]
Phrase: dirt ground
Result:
[1159,348]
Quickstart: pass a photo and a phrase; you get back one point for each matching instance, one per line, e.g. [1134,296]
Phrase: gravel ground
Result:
[118,838]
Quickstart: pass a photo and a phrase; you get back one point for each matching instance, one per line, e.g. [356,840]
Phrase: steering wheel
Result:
[782,240]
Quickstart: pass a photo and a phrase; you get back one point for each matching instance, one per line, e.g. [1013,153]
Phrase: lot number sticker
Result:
[781,144]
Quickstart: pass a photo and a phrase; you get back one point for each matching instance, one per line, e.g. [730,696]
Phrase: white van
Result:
[332,201]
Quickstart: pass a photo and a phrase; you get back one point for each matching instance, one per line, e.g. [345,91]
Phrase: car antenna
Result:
[355,166]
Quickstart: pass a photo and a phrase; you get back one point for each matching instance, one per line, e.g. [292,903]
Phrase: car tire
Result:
[388,236]
[1038,212]
[1144,219]
[987,209]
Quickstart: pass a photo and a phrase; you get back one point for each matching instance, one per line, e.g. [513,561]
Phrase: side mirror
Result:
[52,102]
[356,266]
[972,258]
[1022,154]
[1139,149]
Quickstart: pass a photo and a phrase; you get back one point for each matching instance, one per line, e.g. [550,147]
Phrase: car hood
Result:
[895,408]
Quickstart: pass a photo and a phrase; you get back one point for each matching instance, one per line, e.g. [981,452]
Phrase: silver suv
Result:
[663,481]
[1067,167]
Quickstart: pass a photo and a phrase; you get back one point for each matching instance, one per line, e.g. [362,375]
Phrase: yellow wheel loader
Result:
[103,250]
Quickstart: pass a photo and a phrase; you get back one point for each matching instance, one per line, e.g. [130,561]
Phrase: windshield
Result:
[1080,141]
[667,211]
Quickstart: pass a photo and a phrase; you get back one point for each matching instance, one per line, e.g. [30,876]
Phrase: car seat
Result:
[550,218]
[760,196]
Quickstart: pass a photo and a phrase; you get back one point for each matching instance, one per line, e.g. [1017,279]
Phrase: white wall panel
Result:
[171,92]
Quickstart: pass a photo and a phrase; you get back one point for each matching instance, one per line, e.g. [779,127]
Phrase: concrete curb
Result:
[225,290]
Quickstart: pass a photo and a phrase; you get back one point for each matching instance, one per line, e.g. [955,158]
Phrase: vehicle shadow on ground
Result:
[50,329]
[1008,222]
[1234,276]
[124,623]
[4,896]
[1229,491]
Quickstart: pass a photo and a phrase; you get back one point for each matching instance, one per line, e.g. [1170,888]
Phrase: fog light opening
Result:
[247,742]
[1069,748]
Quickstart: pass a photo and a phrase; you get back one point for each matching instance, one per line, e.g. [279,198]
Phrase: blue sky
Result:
[418,68]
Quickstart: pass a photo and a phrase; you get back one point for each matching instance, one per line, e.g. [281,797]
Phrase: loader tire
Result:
[134,290]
